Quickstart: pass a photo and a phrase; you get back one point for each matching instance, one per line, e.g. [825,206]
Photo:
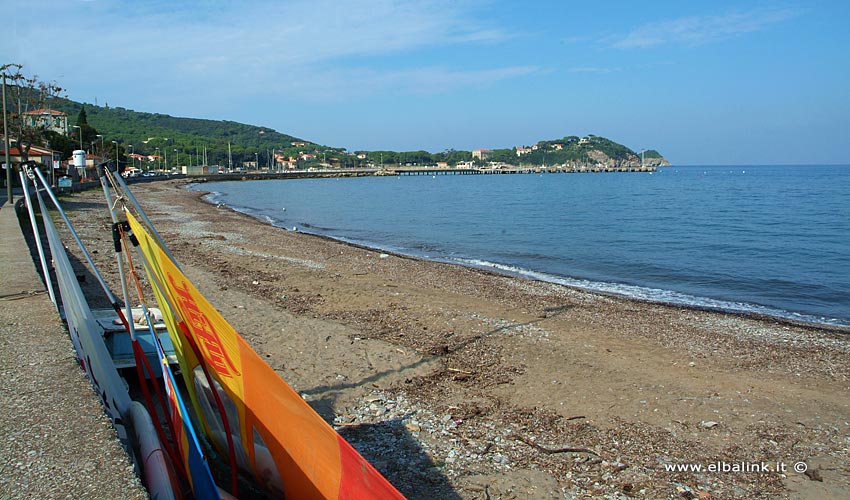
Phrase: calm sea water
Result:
[766,239]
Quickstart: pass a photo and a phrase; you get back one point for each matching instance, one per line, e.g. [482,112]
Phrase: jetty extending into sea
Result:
[403,171]
[510,169]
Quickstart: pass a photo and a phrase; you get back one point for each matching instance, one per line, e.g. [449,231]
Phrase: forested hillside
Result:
[186,139]
[189,136]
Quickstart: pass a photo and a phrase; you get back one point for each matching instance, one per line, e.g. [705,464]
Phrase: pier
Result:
[434,171]
[405,171]
[510,169]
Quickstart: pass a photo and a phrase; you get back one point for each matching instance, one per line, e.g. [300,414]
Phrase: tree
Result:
[87,133]
[60,142]
[25,94]
[82,117]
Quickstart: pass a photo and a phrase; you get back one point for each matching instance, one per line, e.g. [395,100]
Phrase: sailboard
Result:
[227,406]
[278,437]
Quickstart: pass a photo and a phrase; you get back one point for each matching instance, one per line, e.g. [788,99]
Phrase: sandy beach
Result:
[462,384]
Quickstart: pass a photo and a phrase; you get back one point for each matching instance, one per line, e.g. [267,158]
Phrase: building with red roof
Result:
[49,119]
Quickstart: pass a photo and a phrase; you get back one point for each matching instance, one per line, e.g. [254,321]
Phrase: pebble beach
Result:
[459,383]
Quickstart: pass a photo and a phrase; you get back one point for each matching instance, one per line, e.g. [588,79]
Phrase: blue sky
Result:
[704,82]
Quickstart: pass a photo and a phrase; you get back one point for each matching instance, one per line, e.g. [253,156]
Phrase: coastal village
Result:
[307,159]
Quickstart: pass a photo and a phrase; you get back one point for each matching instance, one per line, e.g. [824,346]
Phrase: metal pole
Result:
[128,313]
[133,201]
[6,147]
[52,168]
[44,268]
[85,251]
[81,134]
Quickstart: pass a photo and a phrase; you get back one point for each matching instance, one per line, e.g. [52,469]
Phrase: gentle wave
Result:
[768,242]
[651,294]
[619,289]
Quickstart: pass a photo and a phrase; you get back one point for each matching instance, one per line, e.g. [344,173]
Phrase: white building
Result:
[49,119]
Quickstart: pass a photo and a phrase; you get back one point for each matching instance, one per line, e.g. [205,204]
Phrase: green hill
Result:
[148,131]
[189,136]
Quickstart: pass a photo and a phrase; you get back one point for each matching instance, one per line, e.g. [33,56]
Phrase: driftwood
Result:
[552,451]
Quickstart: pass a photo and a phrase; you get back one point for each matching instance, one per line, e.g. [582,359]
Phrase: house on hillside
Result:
[481,154]
[522,150]
[49,119]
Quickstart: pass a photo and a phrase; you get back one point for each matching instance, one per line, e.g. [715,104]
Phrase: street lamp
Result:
[81,135]
[8,163]
[164,163]
[117,165]
[176,159]
[132,160]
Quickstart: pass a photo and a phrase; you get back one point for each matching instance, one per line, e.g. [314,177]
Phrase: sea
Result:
[770,240]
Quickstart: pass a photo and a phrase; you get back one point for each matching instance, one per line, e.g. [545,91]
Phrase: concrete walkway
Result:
[55,440]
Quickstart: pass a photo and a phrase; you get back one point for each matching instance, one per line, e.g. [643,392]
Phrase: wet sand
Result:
[460,383]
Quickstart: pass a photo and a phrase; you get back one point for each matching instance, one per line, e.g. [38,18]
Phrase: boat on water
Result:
[198,411]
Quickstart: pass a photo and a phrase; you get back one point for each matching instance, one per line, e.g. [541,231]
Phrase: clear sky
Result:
[703,82]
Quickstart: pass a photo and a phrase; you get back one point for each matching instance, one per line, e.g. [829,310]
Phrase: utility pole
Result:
[6,146]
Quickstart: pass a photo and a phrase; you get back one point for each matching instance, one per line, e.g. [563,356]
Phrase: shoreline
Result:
[463,383]
[833,327]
